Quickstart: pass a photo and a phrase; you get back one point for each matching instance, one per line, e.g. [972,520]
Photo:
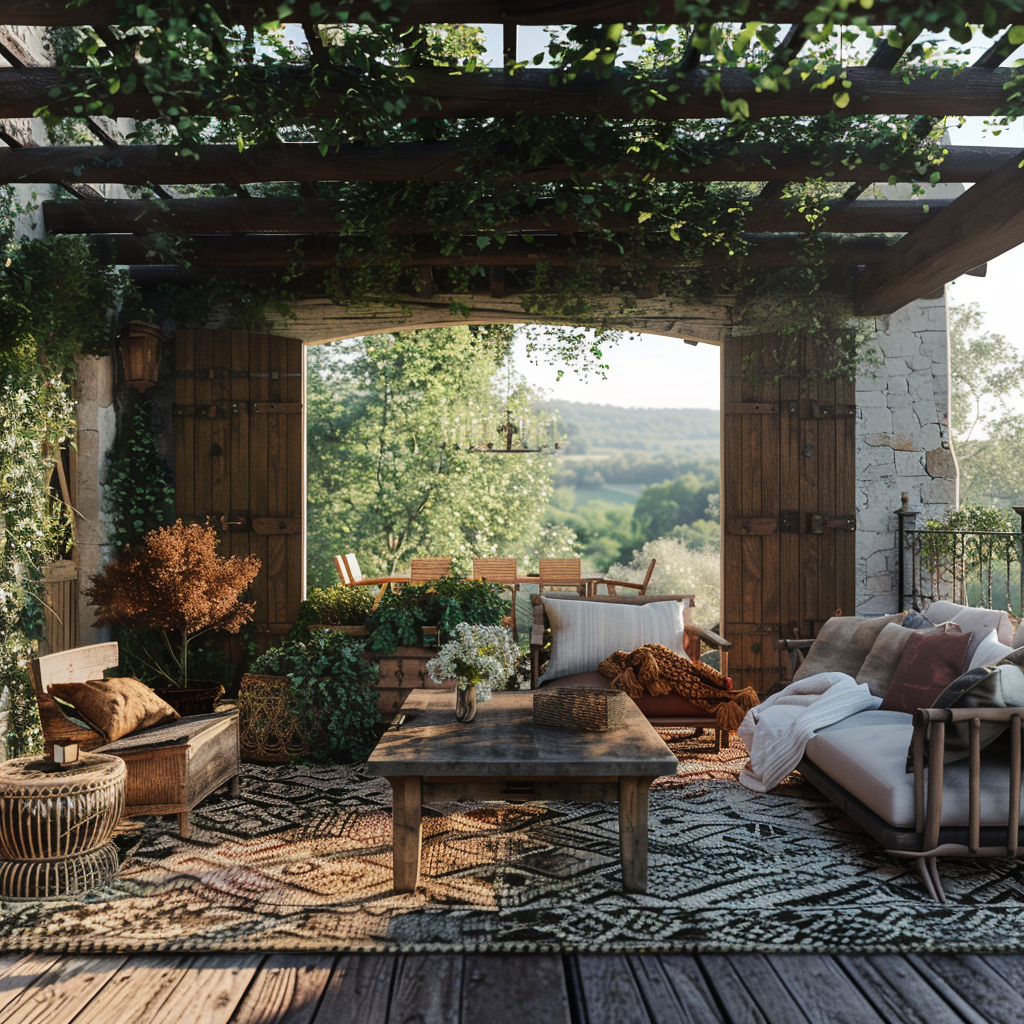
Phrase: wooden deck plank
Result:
[59,995]
[509,989]
[211,989]
[286,990]
[897,991]
[359,990]
[136,993]
[609,992]
[19,970]
[749,991]
[978,993]
[823,991]
[426,990]
[674,990]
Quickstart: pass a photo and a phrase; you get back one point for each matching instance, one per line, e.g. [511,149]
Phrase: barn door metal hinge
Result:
[818,522]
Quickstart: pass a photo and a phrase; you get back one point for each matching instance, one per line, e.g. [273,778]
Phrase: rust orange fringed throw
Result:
[654,670]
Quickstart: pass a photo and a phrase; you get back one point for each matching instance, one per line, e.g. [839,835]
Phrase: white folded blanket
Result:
[776,732]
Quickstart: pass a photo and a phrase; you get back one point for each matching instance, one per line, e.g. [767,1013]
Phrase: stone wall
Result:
[902,441]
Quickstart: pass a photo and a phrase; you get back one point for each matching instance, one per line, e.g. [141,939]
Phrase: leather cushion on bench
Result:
[867,755]
[669,706]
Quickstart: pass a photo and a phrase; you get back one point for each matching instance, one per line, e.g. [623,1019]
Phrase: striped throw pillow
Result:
[584,633]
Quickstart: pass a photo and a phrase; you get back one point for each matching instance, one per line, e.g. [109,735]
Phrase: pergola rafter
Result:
[317,226]
[435,93]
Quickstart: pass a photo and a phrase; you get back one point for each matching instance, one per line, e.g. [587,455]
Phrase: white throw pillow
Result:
[584,633]
[989,652]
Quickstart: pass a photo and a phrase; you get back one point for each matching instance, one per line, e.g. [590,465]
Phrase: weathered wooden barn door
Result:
[239,455]
[788,500]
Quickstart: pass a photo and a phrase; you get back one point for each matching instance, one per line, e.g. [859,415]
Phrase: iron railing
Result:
[984,569]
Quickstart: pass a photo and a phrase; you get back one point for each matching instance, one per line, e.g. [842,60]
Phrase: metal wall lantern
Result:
[141,346]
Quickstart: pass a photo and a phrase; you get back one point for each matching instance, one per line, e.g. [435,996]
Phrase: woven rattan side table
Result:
[55,826]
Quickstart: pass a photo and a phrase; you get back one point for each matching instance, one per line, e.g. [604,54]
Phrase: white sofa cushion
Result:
[972,620]
[989,652]
[584,633]
[868,758]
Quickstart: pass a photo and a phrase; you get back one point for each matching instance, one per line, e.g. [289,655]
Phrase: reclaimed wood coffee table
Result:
[502,755]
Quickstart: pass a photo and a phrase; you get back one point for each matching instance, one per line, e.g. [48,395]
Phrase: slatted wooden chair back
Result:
[496,570]
[559,572]
[426,570]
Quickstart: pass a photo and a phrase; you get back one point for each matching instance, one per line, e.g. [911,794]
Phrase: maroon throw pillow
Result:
[930,662]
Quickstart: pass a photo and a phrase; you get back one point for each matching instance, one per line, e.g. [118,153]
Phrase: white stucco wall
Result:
[902,441]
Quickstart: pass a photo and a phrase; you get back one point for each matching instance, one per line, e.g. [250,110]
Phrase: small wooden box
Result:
[579,707]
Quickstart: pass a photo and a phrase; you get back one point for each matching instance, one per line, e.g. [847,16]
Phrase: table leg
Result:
[633,793]
[407,812]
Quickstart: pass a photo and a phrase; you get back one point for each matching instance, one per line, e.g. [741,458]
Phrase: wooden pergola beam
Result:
[305,216]
[986,221]
[241,251]
[429,162]
[523,12]
[436,93]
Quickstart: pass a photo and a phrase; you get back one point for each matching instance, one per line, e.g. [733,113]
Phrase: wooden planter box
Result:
[348,630]
[400,674]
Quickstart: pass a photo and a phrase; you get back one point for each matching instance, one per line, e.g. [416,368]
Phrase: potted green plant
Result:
[315,697]
[338,608]
[175,589]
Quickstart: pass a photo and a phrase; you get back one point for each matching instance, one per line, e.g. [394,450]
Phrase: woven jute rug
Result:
[302,861]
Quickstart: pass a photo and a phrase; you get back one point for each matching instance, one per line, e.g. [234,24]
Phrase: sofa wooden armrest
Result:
[797,651]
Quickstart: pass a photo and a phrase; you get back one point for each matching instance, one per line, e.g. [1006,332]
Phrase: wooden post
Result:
[633,794]
[407,813]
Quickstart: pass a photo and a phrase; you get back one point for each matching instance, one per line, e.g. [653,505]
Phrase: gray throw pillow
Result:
[842,644]
[1001,686]
[915,620]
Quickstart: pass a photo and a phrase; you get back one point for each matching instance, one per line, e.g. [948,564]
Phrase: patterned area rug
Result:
[302,861]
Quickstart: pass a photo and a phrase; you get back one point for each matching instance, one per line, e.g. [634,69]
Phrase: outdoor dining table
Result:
[589,584]
[428,756]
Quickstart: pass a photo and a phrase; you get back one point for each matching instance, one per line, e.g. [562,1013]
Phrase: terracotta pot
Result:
[192,700]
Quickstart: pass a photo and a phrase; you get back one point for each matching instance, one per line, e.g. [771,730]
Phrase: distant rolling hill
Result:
[609,430]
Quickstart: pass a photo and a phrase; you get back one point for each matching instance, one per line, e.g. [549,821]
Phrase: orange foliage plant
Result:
[177,584]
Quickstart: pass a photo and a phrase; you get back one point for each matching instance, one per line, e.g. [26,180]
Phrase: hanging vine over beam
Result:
[431,162]
[536,12]
[294,216]
[435,93]
[322,251]
[983,223]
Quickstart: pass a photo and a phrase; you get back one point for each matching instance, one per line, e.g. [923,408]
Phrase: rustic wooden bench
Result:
[171,767]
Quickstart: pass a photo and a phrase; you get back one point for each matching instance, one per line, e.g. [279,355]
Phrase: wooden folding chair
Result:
[352,576]
[640,588]
[504,571]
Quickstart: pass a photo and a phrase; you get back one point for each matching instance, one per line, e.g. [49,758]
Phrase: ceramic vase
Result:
[465,703]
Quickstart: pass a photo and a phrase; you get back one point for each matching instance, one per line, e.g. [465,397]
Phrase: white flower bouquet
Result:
[480,656]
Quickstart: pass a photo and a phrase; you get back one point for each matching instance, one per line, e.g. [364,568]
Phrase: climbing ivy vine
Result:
[363,78]
[55,300]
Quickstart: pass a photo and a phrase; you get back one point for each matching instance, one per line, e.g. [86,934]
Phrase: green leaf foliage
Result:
[336,606]
[331,692]
[401,616]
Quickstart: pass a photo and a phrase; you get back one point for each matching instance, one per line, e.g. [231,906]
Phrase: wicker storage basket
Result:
[579,707]
[267,730]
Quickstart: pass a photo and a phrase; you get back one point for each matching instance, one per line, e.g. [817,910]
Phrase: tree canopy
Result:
[986,387]
[386,479]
